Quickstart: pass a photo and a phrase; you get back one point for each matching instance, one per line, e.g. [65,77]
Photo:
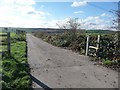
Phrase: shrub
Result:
[108,62]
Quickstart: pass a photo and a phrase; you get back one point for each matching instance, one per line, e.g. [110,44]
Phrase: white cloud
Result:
[78,12]
[76,0]
[78,4]
[91,22]
[20,13]
[91,18]
[95,22]
[25,2]
[105,15]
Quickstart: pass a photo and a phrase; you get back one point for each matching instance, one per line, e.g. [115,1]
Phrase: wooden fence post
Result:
[9,46]
[87,45]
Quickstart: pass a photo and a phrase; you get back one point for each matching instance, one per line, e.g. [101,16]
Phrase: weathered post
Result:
[87,45]
[8,46]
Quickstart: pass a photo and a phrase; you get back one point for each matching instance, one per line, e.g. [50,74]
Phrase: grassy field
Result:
[15,68]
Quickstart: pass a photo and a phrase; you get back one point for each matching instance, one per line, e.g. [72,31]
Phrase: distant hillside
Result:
[55,30]
[99,31]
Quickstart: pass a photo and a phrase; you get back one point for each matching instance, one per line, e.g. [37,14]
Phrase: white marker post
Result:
[87,45]
[98,41]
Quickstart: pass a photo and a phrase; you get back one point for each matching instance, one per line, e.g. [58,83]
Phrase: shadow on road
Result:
[45,87]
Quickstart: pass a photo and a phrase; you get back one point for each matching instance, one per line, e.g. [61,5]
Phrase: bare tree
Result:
[72,24]
[116,25]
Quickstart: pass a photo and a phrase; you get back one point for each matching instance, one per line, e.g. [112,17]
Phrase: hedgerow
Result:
[108,46]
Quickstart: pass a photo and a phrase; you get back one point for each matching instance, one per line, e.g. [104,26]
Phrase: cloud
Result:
[78,12]
[76,0]
[31,13]
[24,2]
[105,15]
[95,22]
[20,13]
[90,22]
[78,4]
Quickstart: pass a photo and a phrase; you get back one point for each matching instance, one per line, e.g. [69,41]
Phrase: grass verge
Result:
[15,68]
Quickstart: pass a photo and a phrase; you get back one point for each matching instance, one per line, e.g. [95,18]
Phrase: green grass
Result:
[14,69]
[19,51]
[2,33]
[2,37]
[3,48]
[13,35]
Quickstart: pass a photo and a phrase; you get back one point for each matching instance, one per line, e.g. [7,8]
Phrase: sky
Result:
[37,14]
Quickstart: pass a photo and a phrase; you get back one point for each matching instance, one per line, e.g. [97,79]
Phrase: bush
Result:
[108,62]
[18,37]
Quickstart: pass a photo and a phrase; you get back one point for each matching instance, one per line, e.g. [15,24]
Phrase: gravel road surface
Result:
[53,67]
